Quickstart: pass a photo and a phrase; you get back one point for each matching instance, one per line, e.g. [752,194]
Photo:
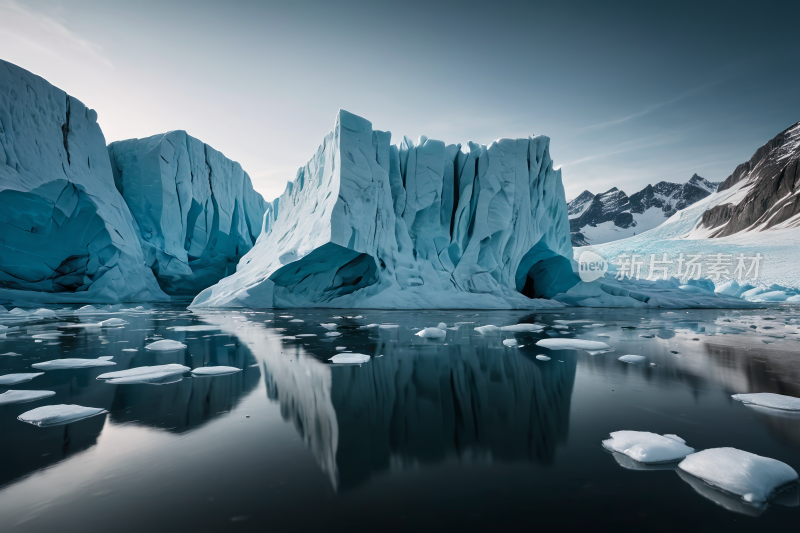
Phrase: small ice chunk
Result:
[165,345]
[69,363]
[16,379]
[44,312]
[198,327]
[48,335]
[646,447]
[155,375]
[10,354]
[750,476]
[88,310]
[130,349]
[560,326]
[431,333]
[442,325]
[297,320]
[633,359]
[349,359]
[542,358]
[24,396]
[388,326]
[523,328]
[56,415]
[340,348]
[574,344]
[306,335]
[331,326]
[769,400]
[332,334]
[112,322]
[215,370]
[510,343]
[487,330]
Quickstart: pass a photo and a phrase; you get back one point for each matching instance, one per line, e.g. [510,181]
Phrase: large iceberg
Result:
[196,210]
[415,225]
[65,232]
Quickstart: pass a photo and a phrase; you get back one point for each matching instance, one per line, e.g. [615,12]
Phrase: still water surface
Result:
[429,434]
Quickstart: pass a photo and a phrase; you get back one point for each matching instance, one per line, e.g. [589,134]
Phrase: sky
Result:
[630,93]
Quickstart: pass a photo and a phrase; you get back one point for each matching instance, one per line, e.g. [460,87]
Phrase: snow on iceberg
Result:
[419,225]
[152,375]
[196,210]
[769,401]
[165,345]
[57,415]
[648,448]
[70,363]
[24,396]
[752,477]
[15,379]
[215,370]
[66,234]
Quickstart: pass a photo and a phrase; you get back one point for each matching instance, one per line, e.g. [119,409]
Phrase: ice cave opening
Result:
[329,272]
[47,245]
[542,273]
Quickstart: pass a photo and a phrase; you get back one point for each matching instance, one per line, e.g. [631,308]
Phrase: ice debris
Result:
[349,359]
[24,396]
[56,415]
[648,448]
[593,347]
[523,328]
[153,375]
[769,401]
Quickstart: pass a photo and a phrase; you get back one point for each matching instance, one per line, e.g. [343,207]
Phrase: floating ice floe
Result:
[215,370]
[165,345]
[70,363]
[487,330]
[432,333]
[24,396]
[56,415]
[745,474]
[15,379]
[330,326]
[523,328]
[130,349]
[199,327]
[152,375]
[633,359]
[88,310]
[112,322]
[10,354]
[542,358]
[769,401]
[297,320]
[332,334]
[349,359]
[388,326]
[648,448]
[511,343]
[592,347]
[306,335]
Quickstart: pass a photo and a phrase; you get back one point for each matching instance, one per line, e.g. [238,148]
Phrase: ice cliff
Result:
[196,210]
[415,225]
[65,232]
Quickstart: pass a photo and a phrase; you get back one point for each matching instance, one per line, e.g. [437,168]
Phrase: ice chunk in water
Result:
[215,370]
[165,345]
[593,347]
[647,447]
[633,359]
[62,364]
[10,354]
[112,322]
[154,375]
[16,379]
[523,328]
[297,320]
[332,334]
[745,474]
[487,330]
[45,312]
[23,396]
[130,349]
[769,400]
[389,326]
[330,326]
[431,333]
[199,327]
[349,359]
[88,310]
[542,358]
[56,415]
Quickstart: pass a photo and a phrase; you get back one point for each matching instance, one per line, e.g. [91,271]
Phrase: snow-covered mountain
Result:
[613,215]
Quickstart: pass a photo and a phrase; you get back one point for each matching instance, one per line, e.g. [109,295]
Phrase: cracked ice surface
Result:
[66,234]
[419,225]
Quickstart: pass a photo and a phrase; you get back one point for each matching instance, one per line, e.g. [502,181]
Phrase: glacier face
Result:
[196,210]
[65,232]
[415,225]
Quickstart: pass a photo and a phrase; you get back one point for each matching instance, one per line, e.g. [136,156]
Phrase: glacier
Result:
[417,225]
[66,234]
[196,210]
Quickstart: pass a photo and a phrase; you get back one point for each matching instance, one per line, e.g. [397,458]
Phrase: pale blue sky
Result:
[630,93]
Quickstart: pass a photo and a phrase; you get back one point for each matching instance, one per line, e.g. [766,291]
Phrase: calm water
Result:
[433,434]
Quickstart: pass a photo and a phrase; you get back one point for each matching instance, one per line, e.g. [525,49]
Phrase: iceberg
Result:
[752,477]
[57,415]
[69,363]
[152,375]
[215,370]
[24,396]
[66,234]
[196,210]
[15,379]
[769,401]
[648,448]
[415,225]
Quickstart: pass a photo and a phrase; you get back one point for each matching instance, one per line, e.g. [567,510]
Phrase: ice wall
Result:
[419,225]
[66,234]
[196,210]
